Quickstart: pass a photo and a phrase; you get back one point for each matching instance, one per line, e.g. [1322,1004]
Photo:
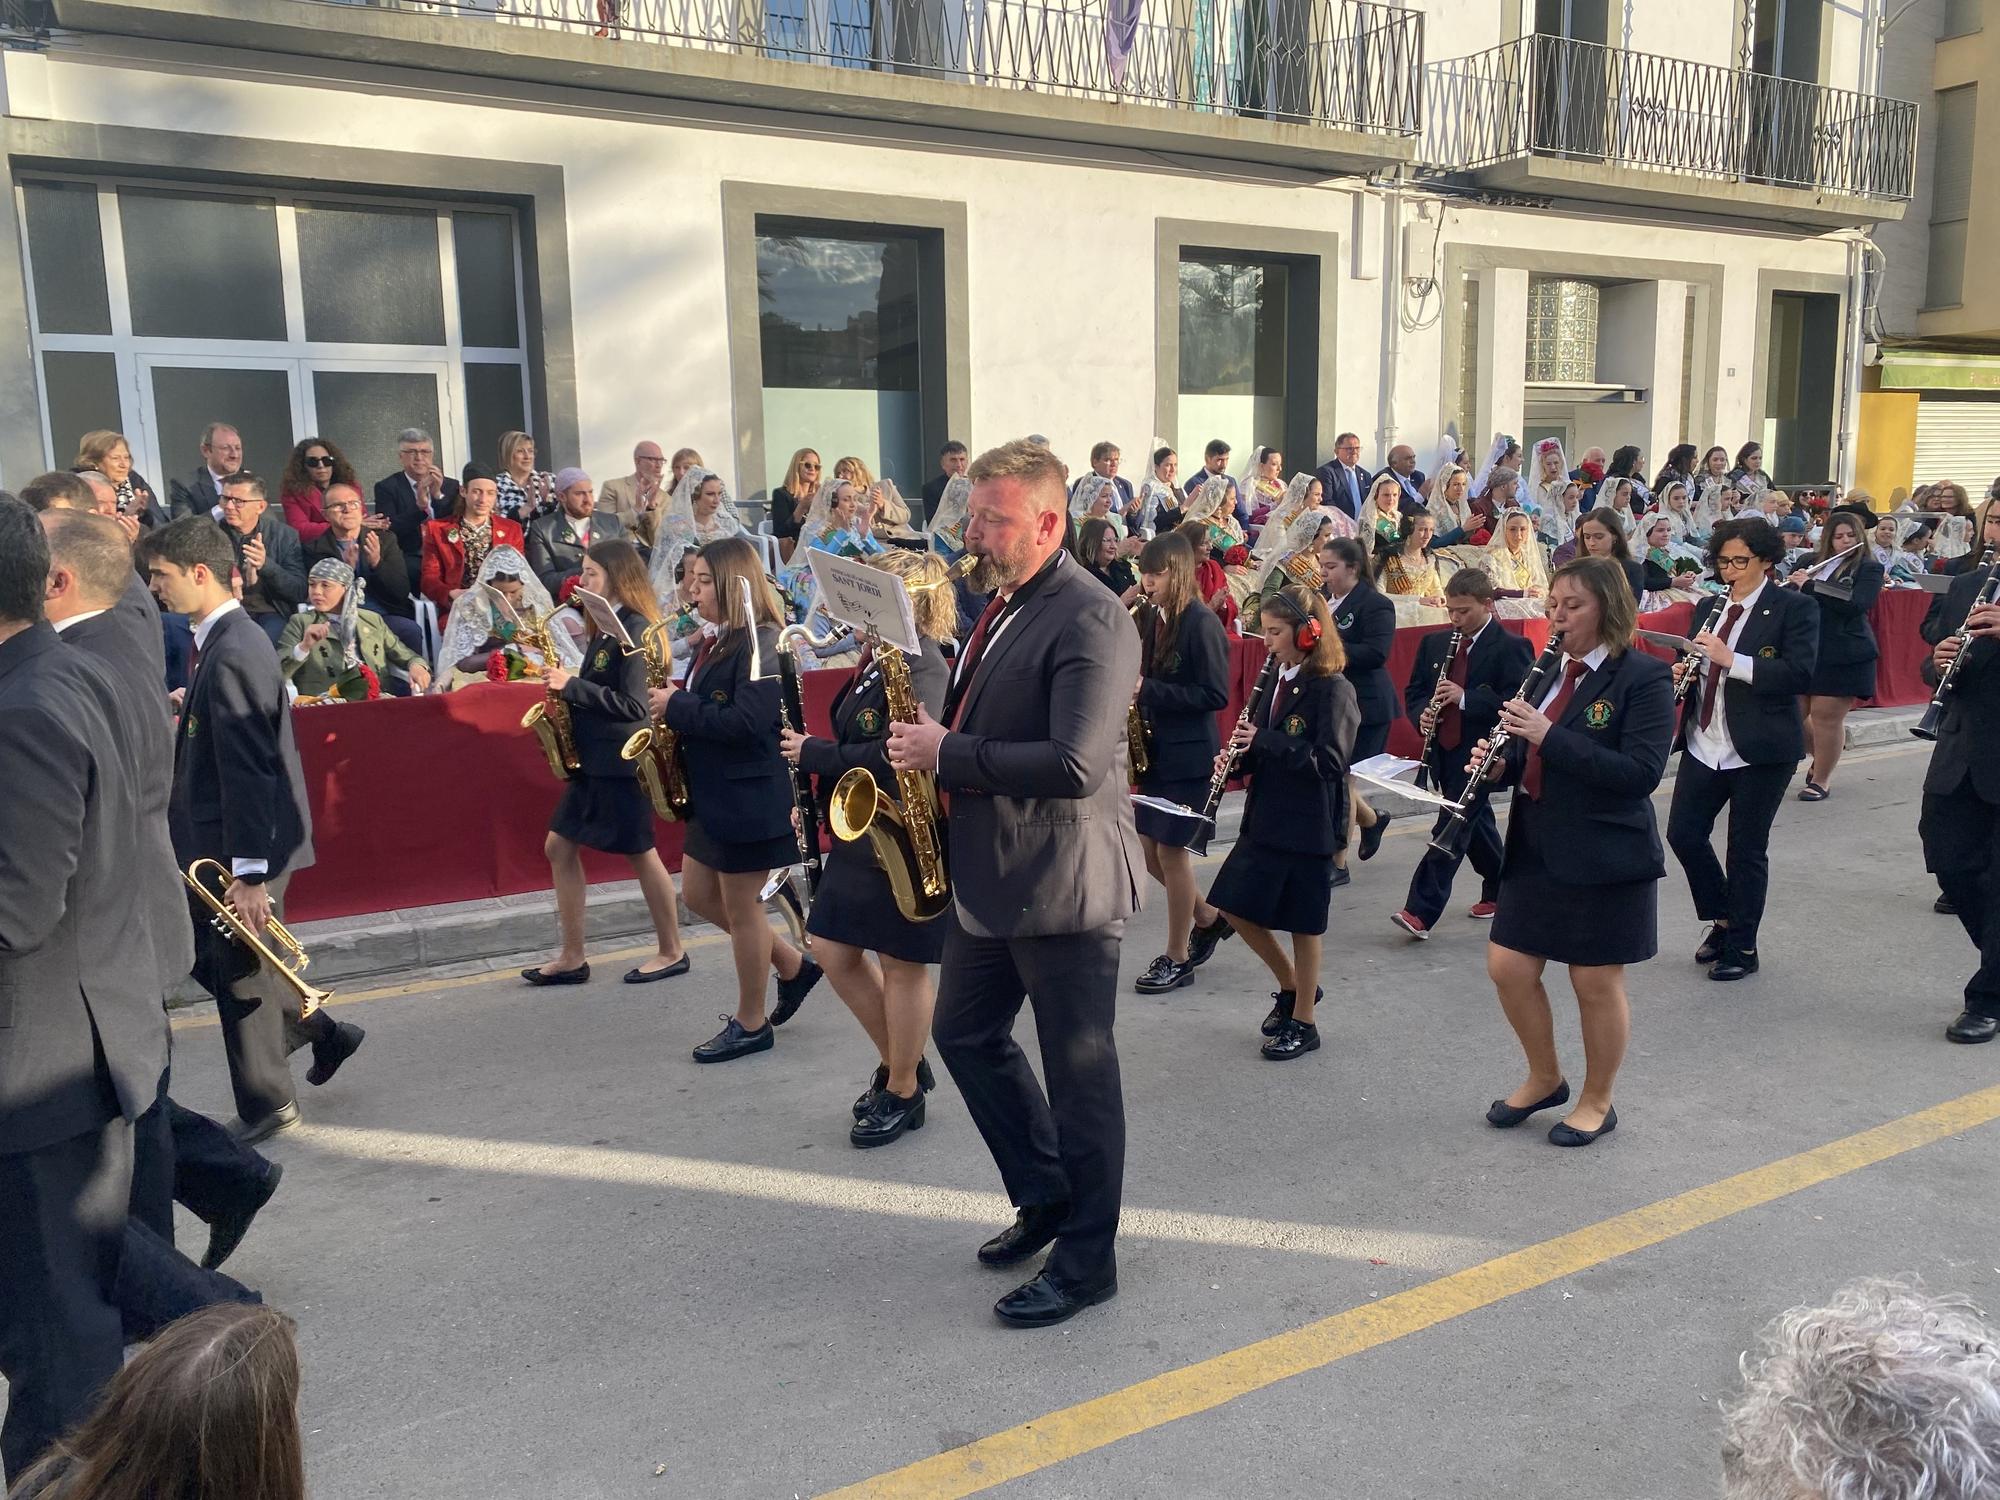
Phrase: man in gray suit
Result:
[86,1039]
[1044,865]
[558,540]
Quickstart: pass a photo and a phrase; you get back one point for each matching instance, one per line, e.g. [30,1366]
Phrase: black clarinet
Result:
[1253,710]
[1926,728]
[1430,735]
[803,800]
[1451,838]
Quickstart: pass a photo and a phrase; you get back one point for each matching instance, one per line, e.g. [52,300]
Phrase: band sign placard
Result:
[872,600]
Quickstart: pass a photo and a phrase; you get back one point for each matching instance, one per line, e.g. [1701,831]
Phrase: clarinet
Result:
[791,702]
[1430,734]
[1451,838]
[1989,593]
[1253,709]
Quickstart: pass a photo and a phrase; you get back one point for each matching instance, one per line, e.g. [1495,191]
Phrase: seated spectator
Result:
[1886,1392]
[1381,520]
[1263,483]
[791,500]
[221,456]
[1407,570]
[1156,509]
[208,1408]
[639,498]
[1515,562]
[314,466]
[107,453]
[1210,581]
[454,549]
[558,540]
[1602,534]
[269,560]
[1097,550]
[525,491]
[416,493]
[1094,497]
[683,460]
[482,637]
[370,549]
[323,652]
[953,460]
[699,512]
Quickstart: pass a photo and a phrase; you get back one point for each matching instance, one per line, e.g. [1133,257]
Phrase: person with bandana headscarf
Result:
[482,626]
[321,648]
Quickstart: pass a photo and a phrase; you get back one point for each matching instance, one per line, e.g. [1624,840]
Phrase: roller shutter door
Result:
[1958,440]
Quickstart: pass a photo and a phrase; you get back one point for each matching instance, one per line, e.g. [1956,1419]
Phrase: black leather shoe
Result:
[1164,975]
[248,1133]
[1282,1002]
[926,1081]
[1034,1227]
[1294,1039]
[1712,946]
[330,1052]
[1562,1133]
[733,1042]
[1371,838]
[1505,1116]
[792,992]
[673,970]
[889,1115]
[1046,1300]
[1970,1028]
[226,1231]
[579,975]
[1734,965]
[1203,941]
[1943,907]
[1341,877]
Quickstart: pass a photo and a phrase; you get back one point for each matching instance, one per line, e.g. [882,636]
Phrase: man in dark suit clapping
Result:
[86,1039]
[416,493]
[239,798]
[1044,875]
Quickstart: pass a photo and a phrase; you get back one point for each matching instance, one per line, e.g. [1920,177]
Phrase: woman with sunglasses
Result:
[314,466]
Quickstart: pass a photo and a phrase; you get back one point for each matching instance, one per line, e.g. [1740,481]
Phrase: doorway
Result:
[1800,387]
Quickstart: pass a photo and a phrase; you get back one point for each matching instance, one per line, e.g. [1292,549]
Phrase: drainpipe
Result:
[1392,313]
[1850,388]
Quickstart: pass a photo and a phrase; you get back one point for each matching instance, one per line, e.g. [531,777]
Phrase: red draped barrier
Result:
[418,802]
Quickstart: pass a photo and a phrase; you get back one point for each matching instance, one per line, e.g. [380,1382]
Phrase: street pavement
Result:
[535,1251]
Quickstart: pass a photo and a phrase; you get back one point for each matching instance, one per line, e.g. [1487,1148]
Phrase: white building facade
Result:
[866,226]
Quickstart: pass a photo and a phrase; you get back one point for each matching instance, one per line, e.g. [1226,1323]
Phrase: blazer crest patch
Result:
[718,696]
[869,721]
[602,660]
[1344,620]
[1598,714]
[193,724]
[1295,724]
[1767,652]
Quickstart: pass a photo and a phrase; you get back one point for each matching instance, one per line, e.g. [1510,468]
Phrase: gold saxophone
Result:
[657,748]
[902,831]
[549,719]
[1135,723]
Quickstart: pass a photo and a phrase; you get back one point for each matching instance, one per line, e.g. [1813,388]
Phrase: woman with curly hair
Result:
[315,466]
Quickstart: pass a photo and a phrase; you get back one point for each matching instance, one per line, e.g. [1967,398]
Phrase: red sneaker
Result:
[1413,925]
[1483,911]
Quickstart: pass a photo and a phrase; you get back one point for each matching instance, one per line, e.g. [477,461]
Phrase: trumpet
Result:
[1431,715]
[1450,839]
[1926,728]
[274,946]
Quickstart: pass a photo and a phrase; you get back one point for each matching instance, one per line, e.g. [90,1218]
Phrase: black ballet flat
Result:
[1562,1133]
[1505,1116]
[578,975]
[673,970]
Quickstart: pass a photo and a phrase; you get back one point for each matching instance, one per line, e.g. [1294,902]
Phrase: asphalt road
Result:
[535,1251]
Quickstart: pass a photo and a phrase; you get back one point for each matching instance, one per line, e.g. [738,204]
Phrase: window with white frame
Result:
[158,308]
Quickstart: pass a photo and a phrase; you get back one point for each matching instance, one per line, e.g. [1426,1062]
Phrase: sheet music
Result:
[603,616]
[1386,773]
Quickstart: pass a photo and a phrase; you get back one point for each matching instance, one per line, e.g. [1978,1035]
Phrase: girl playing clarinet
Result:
[1279,876]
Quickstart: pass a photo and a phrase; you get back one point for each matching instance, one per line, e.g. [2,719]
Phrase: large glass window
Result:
[842,337]
[282,316]
[1951,195]
[1235,316]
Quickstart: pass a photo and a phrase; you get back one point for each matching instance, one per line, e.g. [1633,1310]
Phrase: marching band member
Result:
[602,806]
[1740,737]
[1279,874]
[739,821]
[1844,592]
[1183,685]
[1366,621]
[1580,883]
[877,959]
[1456,705]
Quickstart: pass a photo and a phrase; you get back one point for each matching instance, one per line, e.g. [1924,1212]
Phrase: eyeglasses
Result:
[1734,562]
[324,461]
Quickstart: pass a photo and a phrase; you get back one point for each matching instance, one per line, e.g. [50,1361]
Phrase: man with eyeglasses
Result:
[1741,736]
[269,559]
[376,558]
[416,493]
[638,498]
[221,456]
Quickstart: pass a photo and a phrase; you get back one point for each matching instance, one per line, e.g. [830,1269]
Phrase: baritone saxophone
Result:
[656,749]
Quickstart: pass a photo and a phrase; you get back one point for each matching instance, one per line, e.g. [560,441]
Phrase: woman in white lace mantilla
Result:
[481,628]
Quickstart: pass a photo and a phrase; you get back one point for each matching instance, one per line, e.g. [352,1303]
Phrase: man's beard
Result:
[998,571]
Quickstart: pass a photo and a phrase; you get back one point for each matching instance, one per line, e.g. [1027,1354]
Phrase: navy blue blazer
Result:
[1493,673]
[1601,763]
[1782,641]
[861,723]
[1971,725]
[1333,484]
[1297,765]
[1845,636]
[1367,625]
[739,787]
[607,700]
[1185,686]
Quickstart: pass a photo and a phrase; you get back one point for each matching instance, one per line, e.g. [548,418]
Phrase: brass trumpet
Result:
[287,959]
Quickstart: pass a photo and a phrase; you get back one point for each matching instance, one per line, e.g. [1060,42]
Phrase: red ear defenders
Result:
[1306,630]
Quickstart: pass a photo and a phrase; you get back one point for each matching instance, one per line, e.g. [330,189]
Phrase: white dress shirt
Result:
[1712,746]
[88,614]
[1591,662]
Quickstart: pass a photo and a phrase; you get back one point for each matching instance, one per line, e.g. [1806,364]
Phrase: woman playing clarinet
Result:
[1580,881]
[1279,875]
[1183,685]
[739,821]
[877,959]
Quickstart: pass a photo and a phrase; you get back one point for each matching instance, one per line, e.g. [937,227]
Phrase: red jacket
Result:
[444,557]
[304,513]
[1208,578]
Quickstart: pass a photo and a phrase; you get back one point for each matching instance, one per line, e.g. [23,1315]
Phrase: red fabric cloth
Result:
[1897,617]
[304,515]
[444,557]
[1208,578]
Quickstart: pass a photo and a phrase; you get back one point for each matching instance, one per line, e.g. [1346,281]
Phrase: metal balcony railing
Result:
[1348,64]
[1550,96]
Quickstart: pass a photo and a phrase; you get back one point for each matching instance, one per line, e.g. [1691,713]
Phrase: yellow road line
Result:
[1210,1383]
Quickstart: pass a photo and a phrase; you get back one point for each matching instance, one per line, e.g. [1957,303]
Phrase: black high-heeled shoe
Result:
[1505,1116]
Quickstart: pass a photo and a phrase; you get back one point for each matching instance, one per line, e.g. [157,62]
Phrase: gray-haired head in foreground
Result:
[1887,1392]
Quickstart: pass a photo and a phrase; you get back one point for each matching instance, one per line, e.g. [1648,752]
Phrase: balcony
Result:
[1553,117]
[1331,85]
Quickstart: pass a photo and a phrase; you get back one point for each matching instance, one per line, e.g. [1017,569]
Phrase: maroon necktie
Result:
[1531,776]
[1450,719]
[1712,689]
[975,647]
[700,656]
